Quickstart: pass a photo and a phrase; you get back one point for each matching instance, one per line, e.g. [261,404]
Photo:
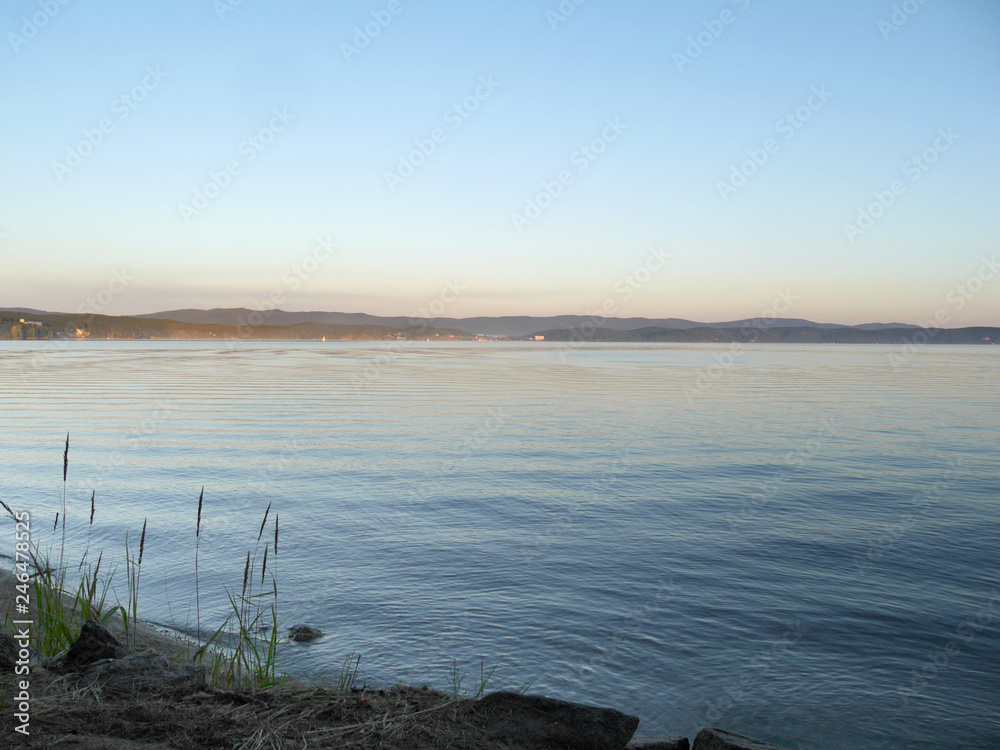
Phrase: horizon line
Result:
[594,316]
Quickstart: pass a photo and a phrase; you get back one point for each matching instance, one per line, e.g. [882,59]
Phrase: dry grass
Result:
[291,717]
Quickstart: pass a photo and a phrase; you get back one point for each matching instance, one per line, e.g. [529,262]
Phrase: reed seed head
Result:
[56,524]
[142,540]
[263,568]
[276,534]
[262,523]
[246,573]
[66,458]
[92,494]
[201,497]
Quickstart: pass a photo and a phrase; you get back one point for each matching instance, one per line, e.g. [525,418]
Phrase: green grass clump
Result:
[239,656]
[245,658]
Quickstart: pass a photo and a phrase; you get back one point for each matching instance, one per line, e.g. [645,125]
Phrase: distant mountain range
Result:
[36,325]
[242,323]
[510,326]
[782,335]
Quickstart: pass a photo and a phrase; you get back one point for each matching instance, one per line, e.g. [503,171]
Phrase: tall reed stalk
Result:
[247,658]
[197,584]
[62,547]
[130,613]
[56,609]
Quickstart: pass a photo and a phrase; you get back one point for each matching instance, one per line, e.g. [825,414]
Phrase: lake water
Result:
[800,543]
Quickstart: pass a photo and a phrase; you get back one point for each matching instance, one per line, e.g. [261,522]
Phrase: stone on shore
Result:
[102,661]
[720,739]
[145,672]
[533,721]
[9,650]
[659,743]
[93,644]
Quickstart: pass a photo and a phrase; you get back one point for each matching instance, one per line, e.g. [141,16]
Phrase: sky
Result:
[706,160]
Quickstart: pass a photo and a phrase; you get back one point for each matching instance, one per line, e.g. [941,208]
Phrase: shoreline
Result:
[147,635]
[102,716]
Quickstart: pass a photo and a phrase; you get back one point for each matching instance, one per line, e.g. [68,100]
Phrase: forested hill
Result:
[259,326]
[779,335]
[85,326]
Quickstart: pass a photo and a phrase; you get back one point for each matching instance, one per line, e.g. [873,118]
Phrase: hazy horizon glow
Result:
[539,158]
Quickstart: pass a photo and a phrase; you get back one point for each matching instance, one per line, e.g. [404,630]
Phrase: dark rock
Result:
[720,739]
[94,644]
[533,721]
[304,633]
[659,743]
[8,652]
[145,672]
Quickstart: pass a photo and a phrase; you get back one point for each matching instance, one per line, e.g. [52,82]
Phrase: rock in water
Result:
[95,643]
[304,633]
[533,721]
[720,739]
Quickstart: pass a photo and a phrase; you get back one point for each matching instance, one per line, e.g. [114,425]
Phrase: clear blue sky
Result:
[695,89]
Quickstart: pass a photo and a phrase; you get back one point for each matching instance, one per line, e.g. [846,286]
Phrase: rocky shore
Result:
[101,695]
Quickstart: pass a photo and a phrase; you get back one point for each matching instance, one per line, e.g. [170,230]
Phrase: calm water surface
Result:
[802,545]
